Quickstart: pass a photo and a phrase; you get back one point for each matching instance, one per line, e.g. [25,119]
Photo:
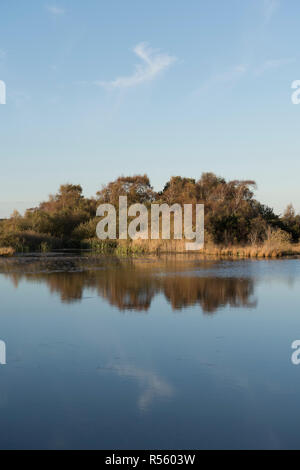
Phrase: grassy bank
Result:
[256,251]
[267,249]
[271,248]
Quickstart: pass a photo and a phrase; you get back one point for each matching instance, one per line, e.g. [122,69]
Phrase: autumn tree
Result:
[137,189]
[291,222]
[179,190]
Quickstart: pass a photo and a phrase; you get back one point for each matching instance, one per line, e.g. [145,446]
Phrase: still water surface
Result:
[173,353]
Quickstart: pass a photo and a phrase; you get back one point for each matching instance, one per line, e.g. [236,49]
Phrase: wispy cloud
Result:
[232,74]
[229,76]
[237,72]
[154,62]
[55,10]
[273,64]
[269,9]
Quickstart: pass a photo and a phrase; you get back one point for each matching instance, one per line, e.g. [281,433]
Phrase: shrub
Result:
[277,237]
[29,241]
[85,230]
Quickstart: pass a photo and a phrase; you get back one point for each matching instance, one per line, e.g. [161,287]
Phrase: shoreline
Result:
[132,251]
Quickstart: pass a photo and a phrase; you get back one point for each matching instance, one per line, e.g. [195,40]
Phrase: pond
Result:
[175,352]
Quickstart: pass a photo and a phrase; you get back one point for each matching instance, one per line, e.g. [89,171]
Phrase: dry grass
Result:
[265,250]
[159,246]
[7,251]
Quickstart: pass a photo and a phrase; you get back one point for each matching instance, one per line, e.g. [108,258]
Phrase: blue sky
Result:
[100,89]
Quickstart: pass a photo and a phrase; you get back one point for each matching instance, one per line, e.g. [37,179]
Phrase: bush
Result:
[86,230]
[277,237]
[29,241]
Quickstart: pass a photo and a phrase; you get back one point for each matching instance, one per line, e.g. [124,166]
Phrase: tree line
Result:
[232,214]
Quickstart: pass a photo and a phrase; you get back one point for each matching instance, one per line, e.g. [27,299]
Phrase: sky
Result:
[99,89]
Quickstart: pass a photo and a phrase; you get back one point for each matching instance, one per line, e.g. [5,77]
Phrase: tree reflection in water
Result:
[131,284]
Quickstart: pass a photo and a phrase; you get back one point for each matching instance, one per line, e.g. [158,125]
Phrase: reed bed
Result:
[264,250]
[137,247]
